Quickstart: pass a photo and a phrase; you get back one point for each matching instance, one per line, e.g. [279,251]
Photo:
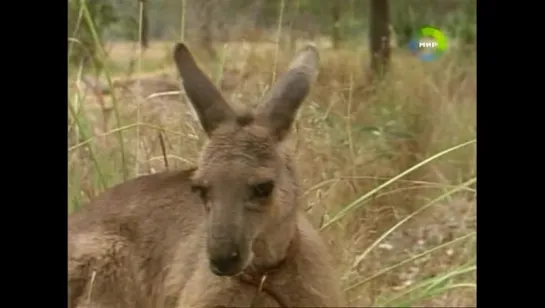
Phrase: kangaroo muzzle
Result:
[226,260]
[227,251]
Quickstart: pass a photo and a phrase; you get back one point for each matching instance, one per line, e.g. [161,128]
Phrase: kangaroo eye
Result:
[201,190]
[262,190]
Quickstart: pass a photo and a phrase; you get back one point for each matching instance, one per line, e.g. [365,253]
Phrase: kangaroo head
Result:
[243,176]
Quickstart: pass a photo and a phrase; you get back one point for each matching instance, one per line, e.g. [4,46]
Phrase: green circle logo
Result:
[428,44]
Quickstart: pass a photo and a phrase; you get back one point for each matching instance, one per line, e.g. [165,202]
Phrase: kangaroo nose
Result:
[225,264]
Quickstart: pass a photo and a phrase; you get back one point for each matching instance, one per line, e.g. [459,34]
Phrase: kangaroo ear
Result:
[210,106]
[279,106]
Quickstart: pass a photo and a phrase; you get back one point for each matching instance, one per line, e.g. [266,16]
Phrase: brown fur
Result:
[179,239]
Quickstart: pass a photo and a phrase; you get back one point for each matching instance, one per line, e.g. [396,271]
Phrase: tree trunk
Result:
[257,12]
[294,26]
[206,8]
[144,29]
[380,37]
[336,29]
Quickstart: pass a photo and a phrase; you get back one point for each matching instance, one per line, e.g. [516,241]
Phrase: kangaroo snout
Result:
[226,260]
[226,264]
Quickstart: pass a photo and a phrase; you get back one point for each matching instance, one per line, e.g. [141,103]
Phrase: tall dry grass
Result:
[389,169]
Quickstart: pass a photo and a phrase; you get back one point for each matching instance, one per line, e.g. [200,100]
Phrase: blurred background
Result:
[385,141]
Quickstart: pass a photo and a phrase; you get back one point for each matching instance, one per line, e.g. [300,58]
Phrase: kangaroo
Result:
[229,232]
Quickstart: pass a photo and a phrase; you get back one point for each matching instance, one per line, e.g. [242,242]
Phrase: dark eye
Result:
[202,191]
[262,190]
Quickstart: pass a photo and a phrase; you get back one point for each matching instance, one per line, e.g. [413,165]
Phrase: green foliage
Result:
[463,23]
[458,18]
[119,19]
[82,47]
[127,19]
[126,28]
